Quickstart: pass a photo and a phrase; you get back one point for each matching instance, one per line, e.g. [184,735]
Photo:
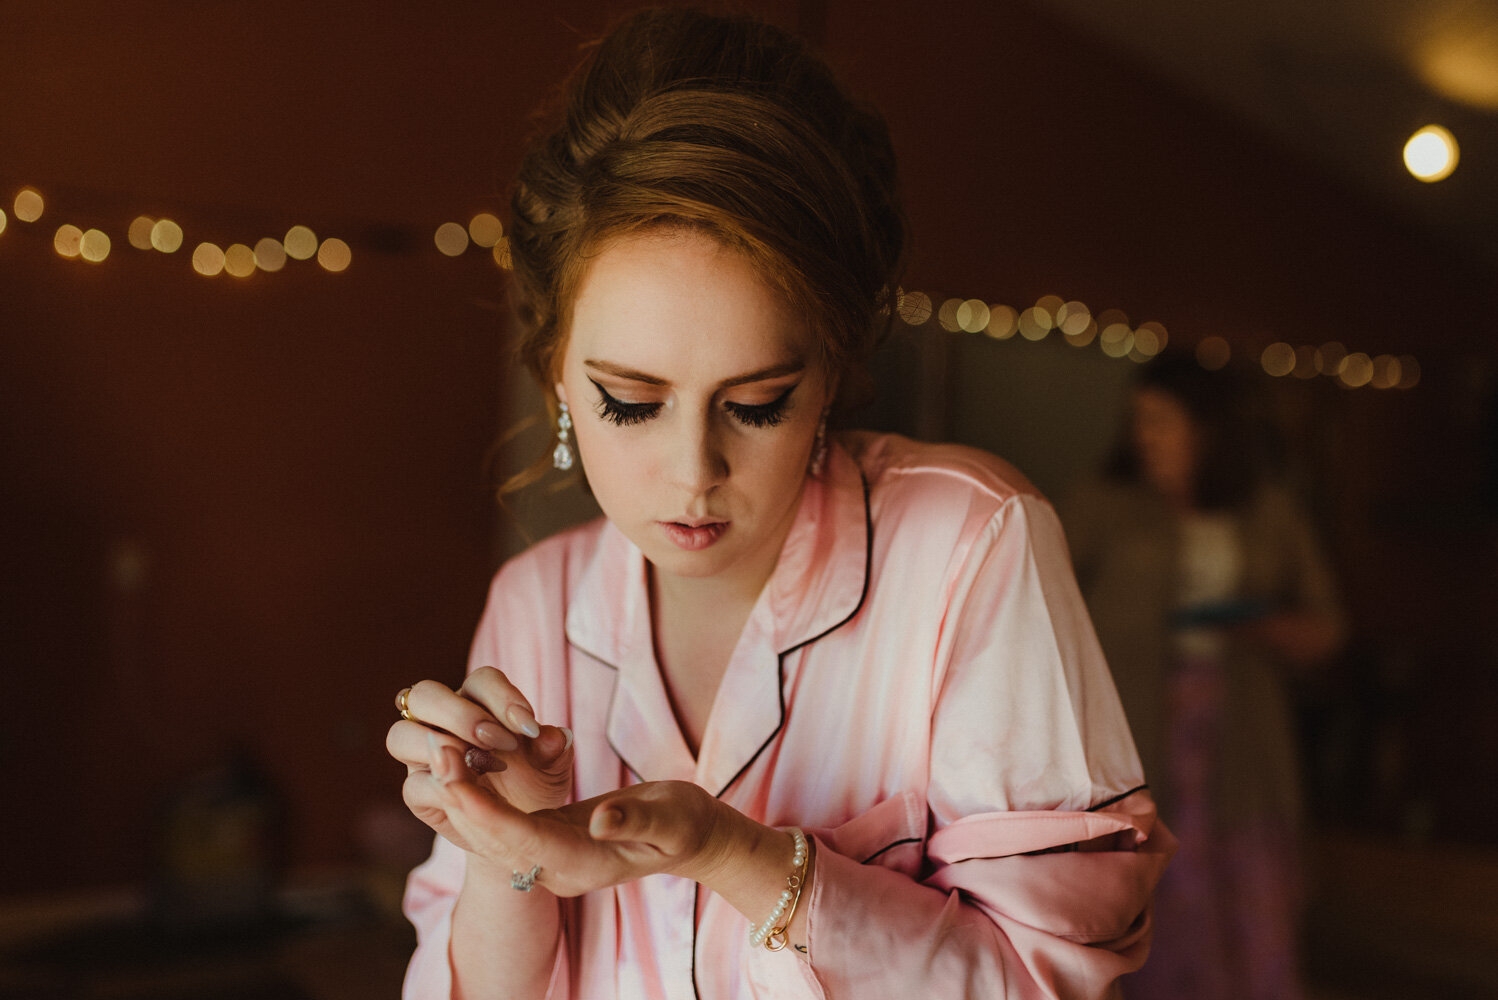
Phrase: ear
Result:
[561,392]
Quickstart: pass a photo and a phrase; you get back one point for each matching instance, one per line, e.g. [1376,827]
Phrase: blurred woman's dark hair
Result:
[1231,457]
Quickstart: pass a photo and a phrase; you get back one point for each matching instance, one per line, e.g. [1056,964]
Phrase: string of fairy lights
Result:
[1112,333]
[1109,330]
[267,254]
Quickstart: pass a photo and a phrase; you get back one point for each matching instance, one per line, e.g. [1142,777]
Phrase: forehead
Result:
[680,299]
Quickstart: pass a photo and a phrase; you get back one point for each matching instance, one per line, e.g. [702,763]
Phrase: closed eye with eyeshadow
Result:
[624,414]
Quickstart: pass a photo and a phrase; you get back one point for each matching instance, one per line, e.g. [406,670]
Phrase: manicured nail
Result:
[524,721]
[496,737]
[569,738]
[481,761]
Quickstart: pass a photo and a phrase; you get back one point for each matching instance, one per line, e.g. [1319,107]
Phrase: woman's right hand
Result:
[528,765]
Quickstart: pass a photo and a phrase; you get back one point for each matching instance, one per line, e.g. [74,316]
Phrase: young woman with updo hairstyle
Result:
[805,714]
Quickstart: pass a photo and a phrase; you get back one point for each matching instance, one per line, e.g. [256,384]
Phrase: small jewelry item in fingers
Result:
[525,881]
[481,761]
[403,706]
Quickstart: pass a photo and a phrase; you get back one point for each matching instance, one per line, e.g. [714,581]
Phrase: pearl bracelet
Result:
[772,933]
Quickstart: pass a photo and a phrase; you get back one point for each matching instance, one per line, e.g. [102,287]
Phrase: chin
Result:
[689,565]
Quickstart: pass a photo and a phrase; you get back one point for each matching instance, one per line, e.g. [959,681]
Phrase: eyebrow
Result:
[791,367]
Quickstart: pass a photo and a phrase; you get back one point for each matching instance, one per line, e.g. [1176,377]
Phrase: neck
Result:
[710,596]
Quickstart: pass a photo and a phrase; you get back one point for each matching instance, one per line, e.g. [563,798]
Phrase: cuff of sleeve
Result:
[785,975]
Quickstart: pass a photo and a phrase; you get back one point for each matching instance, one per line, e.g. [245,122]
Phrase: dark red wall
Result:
[298,458]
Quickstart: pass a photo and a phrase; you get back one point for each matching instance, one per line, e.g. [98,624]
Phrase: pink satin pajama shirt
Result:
[918,687]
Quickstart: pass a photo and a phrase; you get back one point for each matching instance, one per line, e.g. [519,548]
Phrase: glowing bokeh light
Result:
[1003,322]
[208,260]
[1051,305]
[1108,317]
[300,243]
[239,260]
[1431,154]
[1035,323]
[67,240]
[94,246]
[1086,336]
[973,315]
[1116,341]
[1409,371]
[1116,333]
[485,230]
[270,255]
[1278,359]
[1150,339]
[1329,357]
[451,239]
[502,258]
[1385,372]
[914,307]
[334,255]
[1355,371]
[1213,353]
[2,220]
[1073,318]
[166,236]
[139,233]
[947,315]
[28,205]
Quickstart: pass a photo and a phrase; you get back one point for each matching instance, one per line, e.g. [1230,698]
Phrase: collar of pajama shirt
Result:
[818,584]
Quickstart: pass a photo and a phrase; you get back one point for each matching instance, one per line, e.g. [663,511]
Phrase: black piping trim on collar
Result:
[868,561]
[868,566]
[696,899]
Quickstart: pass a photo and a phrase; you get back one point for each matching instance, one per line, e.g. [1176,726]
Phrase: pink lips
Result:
[694,537]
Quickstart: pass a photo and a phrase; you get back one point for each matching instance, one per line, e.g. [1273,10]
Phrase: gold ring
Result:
[404,706]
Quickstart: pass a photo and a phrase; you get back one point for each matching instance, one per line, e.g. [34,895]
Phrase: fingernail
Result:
[569,738]
[481,761]
[495,736]
[524,721]
[606,819]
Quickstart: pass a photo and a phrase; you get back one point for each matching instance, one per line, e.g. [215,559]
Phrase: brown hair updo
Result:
[727,125]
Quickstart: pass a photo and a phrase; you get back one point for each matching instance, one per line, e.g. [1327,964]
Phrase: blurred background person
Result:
[1211,595]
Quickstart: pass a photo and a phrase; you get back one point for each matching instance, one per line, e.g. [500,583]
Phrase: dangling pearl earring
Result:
[561,455]
[819,448]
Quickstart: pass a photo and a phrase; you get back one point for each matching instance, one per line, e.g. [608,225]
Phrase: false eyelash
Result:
[765,414]
[619,412]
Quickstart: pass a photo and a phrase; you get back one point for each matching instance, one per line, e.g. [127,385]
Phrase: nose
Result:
[697,461]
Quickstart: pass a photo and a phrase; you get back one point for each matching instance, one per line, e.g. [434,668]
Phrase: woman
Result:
[774,629]
[1210,594]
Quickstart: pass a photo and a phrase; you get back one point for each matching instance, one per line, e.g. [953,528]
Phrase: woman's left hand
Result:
[674,827]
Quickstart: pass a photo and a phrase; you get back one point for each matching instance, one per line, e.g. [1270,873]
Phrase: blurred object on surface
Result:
[325,939]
